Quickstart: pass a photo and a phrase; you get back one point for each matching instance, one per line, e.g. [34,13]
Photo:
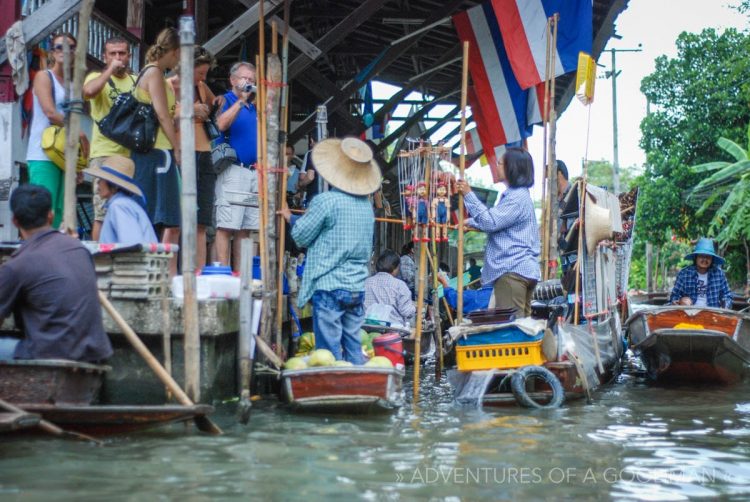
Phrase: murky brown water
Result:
[634,442]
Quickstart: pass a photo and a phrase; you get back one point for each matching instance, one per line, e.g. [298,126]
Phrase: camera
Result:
[249,88]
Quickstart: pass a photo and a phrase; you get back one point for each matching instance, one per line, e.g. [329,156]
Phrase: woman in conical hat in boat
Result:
[703,283]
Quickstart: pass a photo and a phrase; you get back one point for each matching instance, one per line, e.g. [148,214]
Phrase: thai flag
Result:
[523,24]
[508,110]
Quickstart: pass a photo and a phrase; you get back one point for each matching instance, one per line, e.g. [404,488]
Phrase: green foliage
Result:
[599,173]
[698,97]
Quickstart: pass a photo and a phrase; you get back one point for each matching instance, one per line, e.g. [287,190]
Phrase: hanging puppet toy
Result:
[421,214]
[441,205]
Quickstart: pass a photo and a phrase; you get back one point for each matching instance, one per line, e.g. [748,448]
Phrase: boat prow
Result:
[349,389]
[680,344]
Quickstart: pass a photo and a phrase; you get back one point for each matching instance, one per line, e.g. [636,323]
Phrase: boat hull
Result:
[50,381]
[691,345]
[355,390]
[109,420]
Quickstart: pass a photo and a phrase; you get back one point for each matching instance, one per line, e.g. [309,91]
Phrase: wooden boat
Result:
[688,344]
[11,422]
[50,381]
[63,391]
[115,419]
[426,343]
[348,390]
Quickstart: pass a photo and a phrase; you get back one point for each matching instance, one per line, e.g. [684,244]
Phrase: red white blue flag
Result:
[508,110]
[523,24]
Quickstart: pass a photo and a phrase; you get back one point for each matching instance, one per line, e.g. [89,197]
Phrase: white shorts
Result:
[236,187]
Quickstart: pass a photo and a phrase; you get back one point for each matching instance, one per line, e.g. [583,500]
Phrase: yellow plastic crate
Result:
[499,356]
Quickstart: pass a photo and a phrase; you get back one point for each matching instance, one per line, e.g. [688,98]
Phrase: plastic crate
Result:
[498,356]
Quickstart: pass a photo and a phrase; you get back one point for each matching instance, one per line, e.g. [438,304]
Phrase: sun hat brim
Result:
[343,172]
[128,184]
[717,259]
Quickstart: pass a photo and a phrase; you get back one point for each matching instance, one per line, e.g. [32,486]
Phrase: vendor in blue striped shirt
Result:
[337,231]
[511,261]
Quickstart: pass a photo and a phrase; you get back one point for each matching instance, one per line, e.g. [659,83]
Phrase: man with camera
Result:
[101,89]
[237,213]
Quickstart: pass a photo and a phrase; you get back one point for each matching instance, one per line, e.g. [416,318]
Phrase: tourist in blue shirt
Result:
[703,283]
[125,222]
[337,231]
[511,261]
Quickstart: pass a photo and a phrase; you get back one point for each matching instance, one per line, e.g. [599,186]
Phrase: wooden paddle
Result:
[47,426]
[202,422]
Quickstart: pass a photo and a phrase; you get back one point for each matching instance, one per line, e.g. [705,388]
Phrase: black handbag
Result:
[209,125]
[131,123]
[223,156]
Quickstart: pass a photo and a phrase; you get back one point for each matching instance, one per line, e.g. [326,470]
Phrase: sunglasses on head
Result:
[60,47]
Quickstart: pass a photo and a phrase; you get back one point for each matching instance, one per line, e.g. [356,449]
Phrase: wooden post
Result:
[461,167]
[436,310]
[272,94]
[421,278]
[246,342]
[280,221]
[189,216]
[579,256]
[552,211]
[74,119]
[135,17]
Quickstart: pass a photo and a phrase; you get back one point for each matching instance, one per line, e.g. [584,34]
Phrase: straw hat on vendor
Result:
[118,171]
[348,164]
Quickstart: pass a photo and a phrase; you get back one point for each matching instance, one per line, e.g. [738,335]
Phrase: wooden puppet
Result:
[421,214]
[409,201]
[441,205]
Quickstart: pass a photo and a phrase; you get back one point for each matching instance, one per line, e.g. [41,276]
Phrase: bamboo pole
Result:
[579,256]
[192,341]
[74,118]
[421,275]
[202,422]
[552,212]
[545,144]
[246,345]
[461,167]
[280,221]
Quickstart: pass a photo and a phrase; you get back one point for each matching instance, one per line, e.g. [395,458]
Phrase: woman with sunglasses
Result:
[49,96]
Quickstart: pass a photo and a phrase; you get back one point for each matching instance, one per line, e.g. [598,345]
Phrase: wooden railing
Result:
[101,28]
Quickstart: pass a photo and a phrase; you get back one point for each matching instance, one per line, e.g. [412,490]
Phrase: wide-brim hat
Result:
[597,222]
[348,165]
[705,246]
[119,171]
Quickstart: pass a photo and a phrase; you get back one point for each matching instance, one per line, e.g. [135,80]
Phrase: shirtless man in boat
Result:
[49,284]
[703,283]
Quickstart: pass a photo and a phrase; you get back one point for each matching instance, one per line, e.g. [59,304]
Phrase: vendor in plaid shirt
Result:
[703,283]
[337,231]
[511,259]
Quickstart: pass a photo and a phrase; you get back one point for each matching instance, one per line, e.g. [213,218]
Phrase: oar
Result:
[47,426]
[202,422]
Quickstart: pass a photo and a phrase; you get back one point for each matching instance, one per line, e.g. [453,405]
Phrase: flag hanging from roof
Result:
[509,111]
[492,151]
[523,24]
[473,144]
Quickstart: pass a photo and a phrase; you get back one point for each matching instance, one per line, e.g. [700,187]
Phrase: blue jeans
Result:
[8,348]
[337,319]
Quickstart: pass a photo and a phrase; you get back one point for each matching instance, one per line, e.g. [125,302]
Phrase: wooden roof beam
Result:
[318,84]
[440,123]
[335,35]
[390,54]
[226,37]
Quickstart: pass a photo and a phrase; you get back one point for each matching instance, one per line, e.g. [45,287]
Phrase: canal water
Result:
[634,441]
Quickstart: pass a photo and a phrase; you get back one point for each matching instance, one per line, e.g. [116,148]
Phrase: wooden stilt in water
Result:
[246,345]
[74,119]
[421,278]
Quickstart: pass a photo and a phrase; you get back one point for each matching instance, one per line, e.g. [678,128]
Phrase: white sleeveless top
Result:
[39,121]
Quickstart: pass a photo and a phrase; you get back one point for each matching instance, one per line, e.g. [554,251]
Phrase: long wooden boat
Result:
[63,391]
[50,381]
[115,419]
[348,390]
[688,344]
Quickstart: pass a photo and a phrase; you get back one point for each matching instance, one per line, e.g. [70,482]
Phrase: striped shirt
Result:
[512,234]
[337,229]
[382,288]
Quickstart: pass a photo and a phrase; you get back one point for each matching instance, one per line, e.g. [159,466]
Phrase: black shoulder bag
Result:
[131,123]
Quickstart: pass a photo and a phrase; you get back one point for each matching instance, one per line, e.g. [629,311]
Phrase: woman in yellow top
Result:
[205,175]
[156,172]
